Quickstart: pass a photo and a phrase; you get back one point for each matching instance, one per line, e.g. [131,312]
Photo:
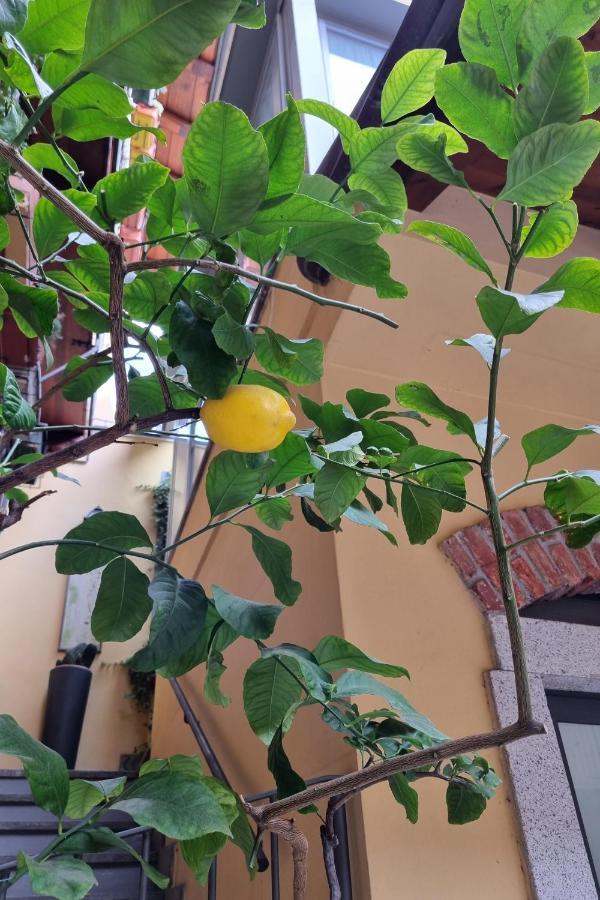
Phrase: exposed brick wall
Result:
[543,570]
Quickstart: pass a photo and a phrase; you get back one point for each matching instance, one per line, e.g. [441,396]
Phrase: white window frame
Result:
[331,24]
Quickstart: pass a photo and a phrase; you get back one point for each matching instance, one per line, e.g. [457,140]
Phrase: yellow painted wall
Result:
[33,596]
[405,604]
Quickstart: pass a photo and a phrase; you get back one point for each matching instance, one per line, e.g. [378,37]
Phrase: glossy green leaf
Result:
[287,780]
[373,150]
[123,603]
[251,14]
[34,309]
[232,337]
[488,33]
[199,853]
[346,126]
[367,264]
[251,620]
[383,435]
[284,137]
[334,653]
[421,513]
[410,84]
[91,92]
[51,226]
[291,460]
[575,499]
[114,532]
[14,409]
[147,44]
[427,153]
[54,25]
[270,693]
[298,361]
[89,124]
[226,164]
[549,163]
[146,398]
[543,22]
[175,804]
[127,191]
[506,312]
[85,385]
[260,247]
[209,369]
[405,795]
[13,14]
[84,795]
[275,558]
[386,187]
[335,488]
[177,620]
[65,878]
[365,402]
[484,344]
[44,156]
[592,64]
[420,397]
[557,88]
[545,442]
[354,683]
[465,803]
[275,512]
[99,840]
[473,101]
[454,240]
[554,233]
[580,280]
[231,482]
[316,680]
[45,770]
[314,219]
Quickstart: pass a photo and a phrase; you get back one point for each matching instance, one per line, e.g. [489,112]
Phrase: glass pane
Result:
[269,98]
[582,749]
[352,61]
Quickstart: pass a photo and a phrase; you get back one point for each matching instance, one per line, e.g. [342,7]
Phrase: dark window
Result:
[583,610]
[576,718]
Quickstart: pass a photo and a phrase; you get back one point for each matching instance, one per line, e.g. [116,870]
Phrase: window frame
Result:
[326,24]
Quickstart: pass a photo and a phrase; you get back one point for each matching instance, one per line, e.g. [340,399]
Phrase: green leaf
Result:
[84,795]
[383,436]
[91,124]
[231,482]
[287,780]
[251,620]
[176,804]
[291,460]
[335,489]
[506,312]
[411,83]
[226,165]
[54,25]
[147,45]
[251,14]
[286,147]
[484,344]
[353,683]
[146,399]
[123,603]
[13,14]
[373,150]
[298,361]
[15,411]
[34,309]
[91,92]
[367,264]
[127,191]
[575,498]
[334,653]
[232,337]
[557,88]
[454,240]
[487,34]
[346,126]
[313,219]
[545,442]
[275,512]
[418,396]
[386,187]
[405,795]
[544,22]
[44,156]
[86,384]
[177,621]
[270,693]
[465,803]
[98,840]
[275,558]
[113,532]
[66,878]
[592,64]
[210,370]
[555,232]
[549,163]
[260,247]
[427,153]
[421,513]
[199,853]
[365,402]
[580,281]
[45,771]
[316,679]
[473,101]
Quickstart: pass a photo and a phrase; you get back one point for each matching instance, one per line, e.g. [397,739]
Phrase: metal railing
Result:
[340,825]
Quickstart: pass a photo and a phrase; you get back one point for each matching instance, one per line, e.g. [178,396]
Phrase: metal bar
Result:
[143,893]
[275,885]
[212,880]
[216,769]
[341,853]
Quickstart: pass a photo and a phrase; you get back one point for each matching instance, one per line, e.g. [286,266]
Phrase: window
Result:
[350,61]
[577,721]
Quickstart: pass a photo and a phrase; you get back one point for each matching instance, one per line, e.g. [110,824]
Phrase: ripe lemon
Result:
[249,418]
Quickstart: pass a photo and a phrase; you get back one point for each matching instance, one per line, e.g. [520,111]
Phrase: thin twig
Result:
[581,523]
[88,363]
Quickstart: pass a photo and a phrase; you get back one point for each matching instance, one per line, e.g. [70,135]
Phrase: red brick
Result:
[491,572]
[529,580]
[458,554]
[522,596]
[595,548]
[565,563]
[478,544]
[540,518]
[489,596]
[517,523]
[587,563]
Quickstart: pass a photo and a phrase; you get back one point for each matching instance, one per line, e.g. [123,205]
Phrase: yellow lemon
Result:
[249,418]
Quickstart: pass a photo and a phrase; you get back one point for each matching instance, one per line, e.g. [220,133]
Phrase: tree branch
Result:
[117,264]
[581,523]
[289,831]
[88,363]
